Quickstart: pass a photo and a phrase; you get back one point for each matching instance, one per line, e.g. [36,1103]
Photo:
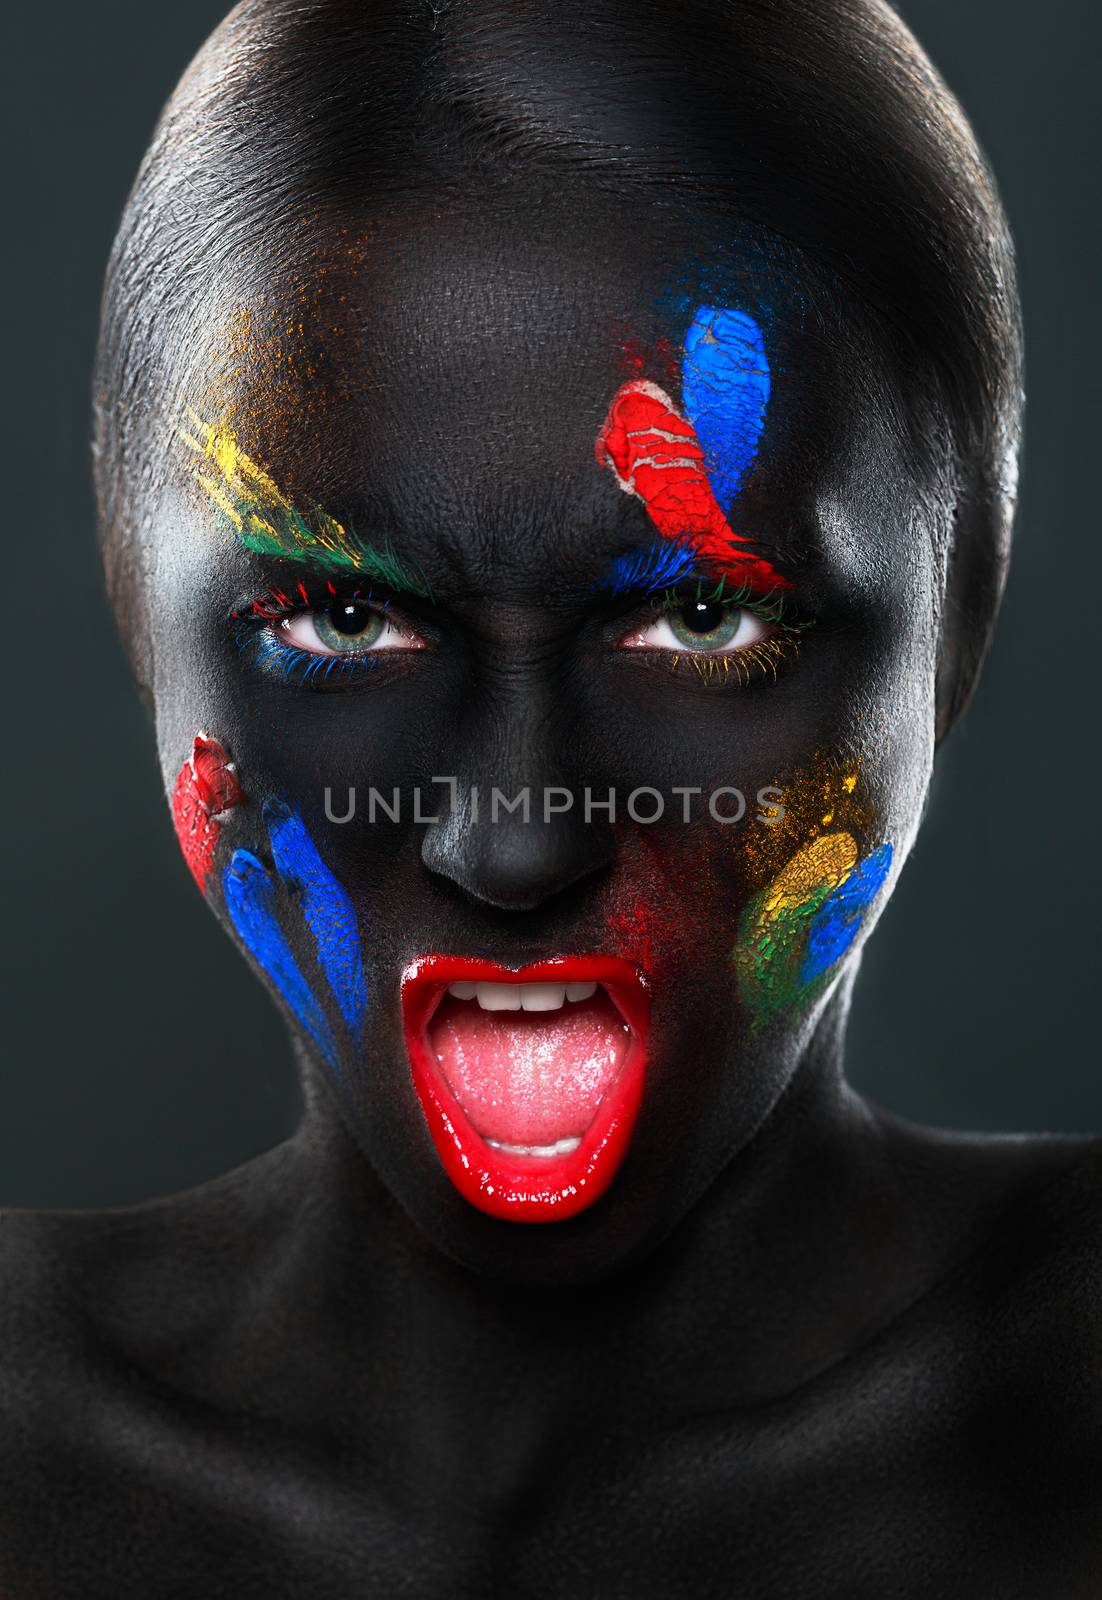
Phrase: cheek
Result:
[804,917]
[762,911]
[205,792]
[799,927]
[285,905]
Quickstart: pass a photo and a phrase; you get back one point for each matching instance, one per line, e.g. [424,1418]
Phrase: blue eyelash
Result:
[297,666]
[256,641]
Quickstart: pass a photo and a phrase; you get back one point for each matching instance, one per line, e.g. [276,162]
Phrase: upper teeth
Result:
[521,996]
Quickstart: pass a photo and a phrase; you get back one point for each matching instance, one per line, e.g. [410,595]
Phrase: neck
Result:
[764,1284]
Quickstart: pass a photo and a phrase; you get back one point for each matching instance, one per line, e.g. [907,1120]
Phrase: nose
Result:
[518,833]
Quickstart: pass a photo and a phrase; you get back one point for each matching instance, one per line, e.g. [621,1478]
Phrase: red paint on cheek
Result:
[644,918]
[632,936]
[655,454]
[206,788]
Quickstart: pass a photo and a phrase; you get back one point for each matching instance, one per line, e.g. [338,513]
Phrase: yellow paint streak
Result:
[828,860]
[221,499]
[252,499]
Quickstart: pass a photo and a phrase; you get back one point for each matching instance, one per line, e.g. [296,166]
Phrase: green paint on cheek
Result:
[771,952]
[773,932]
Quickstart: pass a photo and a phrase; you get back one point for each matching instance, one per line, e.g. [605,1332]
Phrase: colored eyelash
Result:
[761,660]
[261,647]
[276,603]
[297,666]
[772,608]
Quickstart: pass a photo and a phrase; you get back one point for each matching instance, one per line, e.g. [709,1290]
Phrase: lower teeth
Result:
[562,1147]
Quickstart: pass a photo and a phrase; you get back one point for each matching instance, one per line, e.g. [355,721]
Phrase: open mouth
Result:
[530,1080]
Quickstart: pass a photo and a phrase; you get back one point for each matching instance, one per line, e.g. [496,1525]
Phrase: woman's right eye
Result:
[347,628]
[701,627]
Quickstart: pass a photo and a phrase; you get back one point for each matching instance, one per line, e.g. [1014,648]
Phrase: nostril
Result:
[516,866]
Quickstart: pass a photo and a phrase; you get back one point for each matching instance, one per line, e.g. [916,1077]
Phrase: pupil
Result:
[703,616]
[350,618]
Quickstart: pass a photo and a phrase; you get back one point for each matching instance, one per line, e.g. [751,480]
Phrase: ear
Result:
[975,579]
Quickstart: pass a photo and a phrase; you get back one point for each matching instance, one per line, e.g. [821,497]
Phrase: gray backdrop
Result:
[140,1055]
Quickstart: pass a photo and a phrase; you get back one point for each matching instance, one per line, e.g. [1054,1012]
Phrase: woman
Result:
[556,468]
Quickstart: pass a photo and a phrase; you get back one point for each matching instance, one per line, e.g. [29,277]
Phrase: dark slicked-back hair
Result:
[818,122]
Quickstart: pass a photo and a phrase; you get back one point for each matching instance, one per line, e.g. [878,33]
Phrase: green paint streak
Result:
[770,952]
[296,542]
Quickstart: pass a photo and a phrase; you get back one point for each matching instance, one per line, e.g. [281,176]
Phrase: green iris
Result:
[349,627]
[705,623]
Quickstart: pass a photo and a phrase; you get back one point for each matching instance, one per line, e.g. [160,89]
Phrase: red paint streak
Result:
[514,1187]
[206,788]
[655,454]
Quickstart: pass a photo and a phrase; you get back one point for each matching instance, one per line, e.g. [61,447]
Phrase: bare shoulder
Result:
[1051,1246]
[110,1323]
[1023,1304]
[66,1274]
[94,1301]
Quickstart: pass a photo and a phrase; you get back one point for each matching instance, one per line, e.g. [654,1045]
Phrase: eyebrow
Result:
[662,564]
[649,567]
[251,506]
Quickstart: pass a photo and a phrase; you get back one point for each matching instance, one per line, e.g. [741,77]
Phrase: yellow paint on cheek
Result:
[773,935]
[826,862]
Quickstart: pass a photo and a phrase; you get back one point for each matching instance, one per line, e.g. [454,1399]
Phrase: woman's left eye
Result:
[707,627]
[348,628]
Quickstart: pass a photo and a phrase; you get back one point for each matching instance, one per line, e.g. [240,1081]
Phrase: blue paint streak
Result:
[326,908]
[838,919]
[724,391]
[250,901]
[648,567]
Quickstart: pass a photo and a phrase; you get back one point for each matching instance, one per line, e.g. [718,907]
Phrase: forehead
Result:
[442,372]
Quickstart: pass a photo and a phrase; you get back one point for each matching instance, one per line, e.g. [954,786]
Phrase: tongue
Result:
[529,1077]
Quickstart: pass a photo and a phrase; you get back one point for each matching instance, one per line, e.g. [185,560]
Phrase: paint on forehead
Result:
[252,507]
[794,932]
[724,391]
[688,465]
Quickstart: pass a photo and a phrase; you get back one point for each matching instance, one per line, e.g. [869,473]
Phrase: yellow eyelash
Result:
[755,660]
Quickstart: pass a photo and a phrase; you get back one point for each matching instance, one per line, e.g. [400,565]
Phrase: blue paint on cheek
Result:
[839,917]
[250,900]
[326,909]
[724,391]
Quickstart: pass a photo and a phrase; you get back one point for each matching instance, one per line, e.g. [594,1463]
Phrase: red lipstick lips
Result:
[530,1078]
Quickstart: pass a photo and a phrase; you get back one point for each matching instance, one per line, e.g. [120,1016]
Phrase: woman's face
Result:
[461,507]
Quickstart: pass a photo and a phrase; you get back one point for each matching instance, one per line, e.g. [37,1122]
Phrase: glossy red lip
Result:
[526,1188]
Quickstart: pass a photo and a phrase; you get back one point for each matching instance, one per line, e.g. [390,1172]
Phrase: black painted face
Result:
[397,548]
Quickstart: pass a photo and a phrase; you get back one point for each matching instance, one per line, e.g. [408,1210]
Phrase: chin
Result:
[543,1132]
